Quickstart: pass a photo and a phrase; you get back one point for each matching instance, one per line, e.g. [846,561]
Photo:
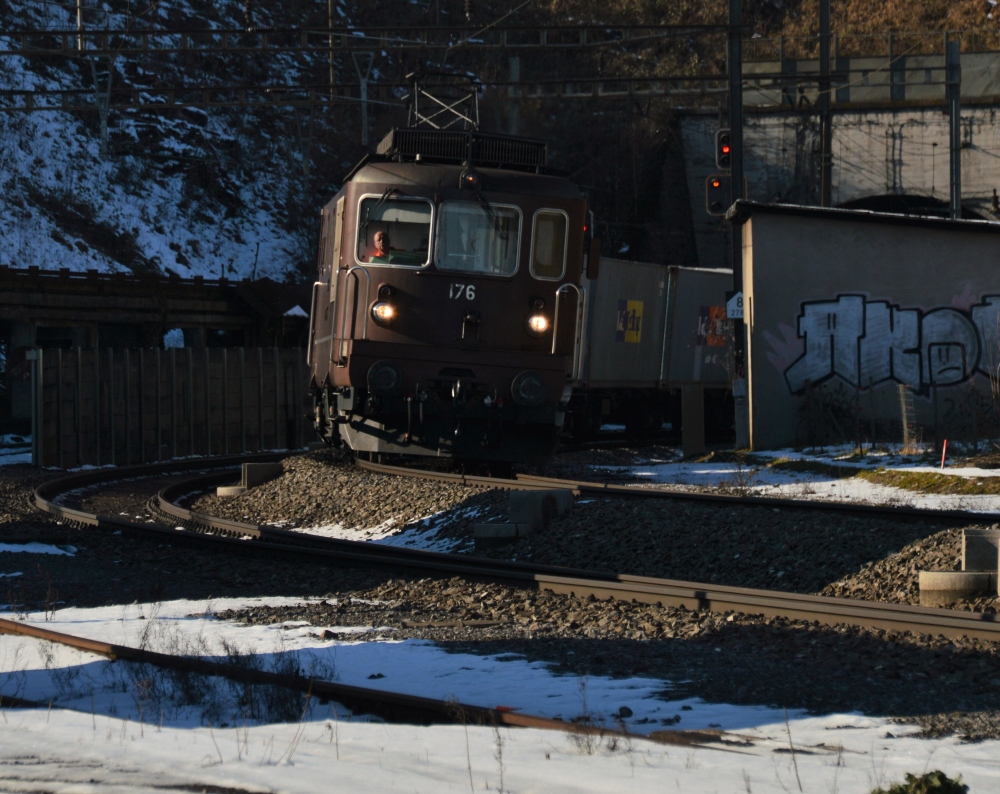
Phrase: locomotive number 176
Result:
[459,291]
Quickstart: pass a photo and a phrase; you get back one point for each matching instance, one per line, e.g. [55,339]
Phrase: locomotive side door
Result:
[335,253]
[325,291]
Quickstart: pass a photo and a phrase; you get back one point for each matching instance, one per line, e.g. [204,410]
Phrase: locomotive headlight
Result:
[538,324]
[383,312]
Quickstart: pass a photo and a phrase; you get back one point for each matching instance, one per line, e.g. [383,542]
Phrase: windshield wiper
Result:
[368,213]
[491,214]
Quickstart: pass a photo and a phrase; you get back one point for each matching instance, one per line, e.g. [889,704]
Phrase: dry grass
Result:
[916,481]
[932,482]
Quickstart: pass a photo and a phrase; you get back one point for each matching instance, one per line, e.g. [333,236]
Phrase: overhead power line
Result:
[172,97]
[36,43]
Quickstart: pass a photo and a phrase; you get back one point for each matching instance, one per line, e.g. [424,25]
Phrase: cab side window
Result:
[548,244]
[394,231]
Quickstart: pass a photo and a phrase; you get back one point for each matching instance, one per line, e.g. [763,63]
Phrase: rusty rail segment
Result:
[392,706]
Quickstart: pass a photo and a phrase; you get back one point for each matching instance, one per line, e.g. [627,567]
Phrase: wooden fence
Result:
[122,407]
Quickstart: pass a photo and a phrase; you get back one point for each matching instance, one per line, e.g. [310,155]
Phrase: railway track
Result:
[391,706]
[194,527]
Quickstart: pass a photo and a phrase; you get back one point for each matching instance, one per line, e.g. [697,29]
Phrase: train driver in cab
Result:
[383,254]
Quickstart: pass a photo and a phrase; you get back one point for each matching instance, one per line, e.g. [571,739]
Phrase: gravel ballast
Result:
[945,686]
[326,489]
[762,547]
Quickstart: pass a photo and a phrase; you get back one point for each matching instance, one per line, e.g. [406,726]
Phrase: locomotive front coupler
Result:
[457,393]
[492,405]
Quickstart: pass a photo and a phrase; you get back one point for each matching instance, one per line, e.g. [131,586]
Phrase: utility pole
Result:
[826,123]
[953,89]
[363,66]
[79,25]
[736,137]
[742,417]
[329,26]
[513,93]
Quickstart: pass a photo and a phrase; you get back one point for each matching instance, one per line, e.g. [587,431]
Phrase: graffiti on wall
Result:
[867,342]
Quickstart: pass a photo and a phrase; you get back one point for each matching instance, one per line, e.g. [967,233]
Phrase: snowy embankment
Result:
[134,728]
[214,193]
[832,481]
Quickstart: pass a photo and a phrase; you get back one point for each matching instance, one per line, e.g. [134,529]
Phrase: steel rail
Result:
[579,488]
[48,493]
[269,541]
[391,706]
[691,595]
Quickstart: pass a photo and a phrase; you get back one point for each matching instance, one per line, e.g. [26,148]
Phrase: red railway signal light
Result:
[723,149]
[718,194]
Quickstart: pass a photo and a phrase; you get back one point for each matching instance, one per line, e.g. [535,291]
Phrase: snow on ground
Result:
[37,548]
[423,534]
[10,458]
[94,735]
[763,480]
[15,449]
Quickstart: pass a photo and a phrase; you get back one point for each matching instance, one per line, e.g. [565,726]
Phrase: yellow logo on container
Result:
[629,322]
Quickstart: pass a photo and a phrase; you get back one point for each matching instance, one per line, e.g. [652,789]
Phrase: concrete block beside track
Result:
[230,490]
[981,550]
[529,511]
[940,588]
[536,509]
[490,536]
[253,474]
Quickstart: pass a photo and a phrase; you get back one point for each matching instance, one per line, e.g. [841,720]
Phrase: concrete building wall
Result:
[844,306]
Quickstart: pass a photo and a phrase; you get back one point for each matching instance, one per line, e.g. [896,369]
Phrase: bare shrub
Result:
[587,736]
[221,701]
[743,477]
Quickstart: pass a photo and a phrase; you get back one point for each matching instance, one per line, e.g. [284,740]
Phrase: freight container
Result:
[651,326]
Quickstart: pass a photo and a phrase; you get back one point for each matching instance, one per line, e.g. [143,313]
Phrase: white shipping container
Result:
[655,326]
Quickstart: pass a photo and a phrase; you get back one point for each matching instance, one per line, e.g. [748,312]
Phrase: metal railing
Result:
[312,326]
[342,358]
[576,325]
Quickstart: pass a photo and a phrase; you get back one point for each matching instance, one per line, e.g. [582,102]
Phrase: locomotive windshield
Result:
[394,231]
[478,239]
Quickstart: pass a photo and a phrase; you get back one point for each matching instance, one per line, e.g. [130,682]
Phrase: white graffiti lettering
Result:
[869,342]
[986,318]
[890,347]
[949,347]
[831,330]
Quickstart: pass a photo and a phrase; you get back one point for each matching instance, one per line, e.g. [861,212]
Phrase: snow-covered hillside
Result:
[219,192]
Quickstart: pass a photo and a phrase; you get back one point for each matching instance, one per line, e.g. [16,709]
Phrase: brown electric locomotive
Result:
[447,302]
